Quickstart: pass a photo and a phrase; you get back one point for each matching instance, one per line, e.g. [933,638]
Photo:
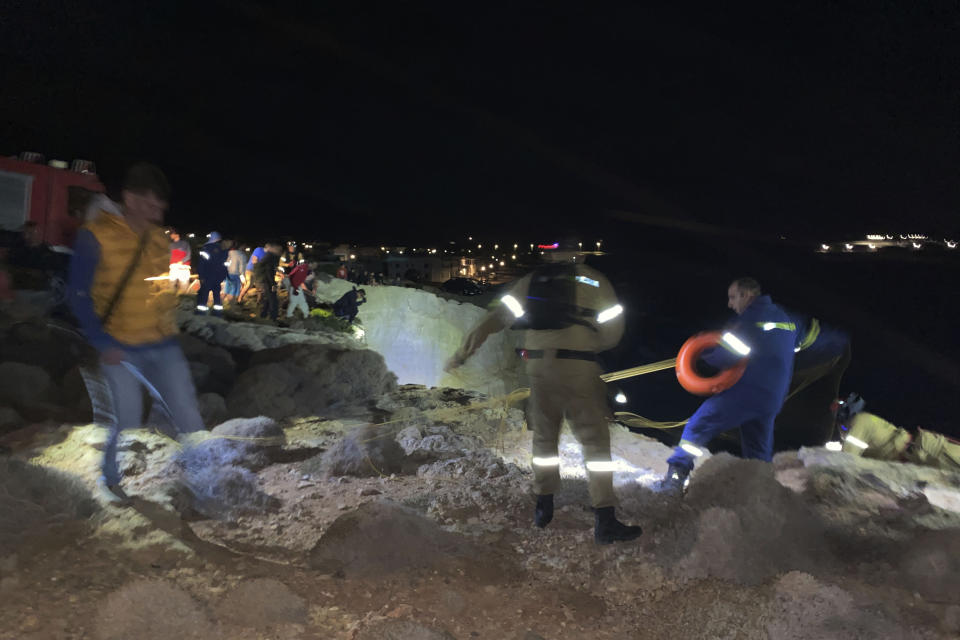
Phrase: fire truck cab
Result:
[53,195]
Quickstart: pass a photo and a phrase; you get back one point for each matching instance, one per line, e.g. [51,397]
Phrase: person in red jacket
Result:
[297,289]
[179,262]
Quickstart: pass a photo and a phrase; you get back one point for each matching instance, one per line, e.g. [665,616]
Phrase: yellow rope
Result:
[639,371]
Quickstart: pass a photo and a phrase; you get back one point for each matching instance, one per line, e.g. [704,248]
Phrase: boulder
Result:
[9,420]
[403,630]
[383,537]
[213,470]
[417,332]
[151,610]
[214,369]
[371,450]
[252,336]
[42,345]
[308,380]
[213,408]
[251,443]
[23,384]
[262,603]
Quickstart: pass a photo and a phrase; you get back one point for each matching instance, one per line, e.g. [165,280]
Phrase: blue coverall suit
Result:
[823,354]
[754,401]
[212,271]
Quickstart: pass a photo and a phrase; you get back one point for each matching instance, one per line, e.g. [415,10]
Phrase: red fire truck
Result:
[54,195]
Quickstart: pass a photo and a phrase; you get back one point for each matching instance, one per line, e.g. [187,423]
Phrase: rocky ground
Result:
[405,512]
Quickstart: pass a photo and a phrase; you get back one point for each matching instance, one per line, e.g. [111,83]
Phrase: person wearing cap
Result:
[568,313]
[212,271]
[766,336]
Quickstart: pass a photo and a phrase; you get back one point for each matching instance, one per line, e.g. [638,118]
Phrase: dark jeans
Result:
[269,305]
[207,287]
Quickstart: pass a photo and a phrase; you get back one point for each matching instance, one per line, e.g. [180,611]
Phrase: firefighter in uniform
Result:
[568,313]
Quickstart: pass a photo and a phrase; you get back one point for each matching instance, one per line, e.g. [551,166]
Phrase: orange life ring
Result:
[687,366]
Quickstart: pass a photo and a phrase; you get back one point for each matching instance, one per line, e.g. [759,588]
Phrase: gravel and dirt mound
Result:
[34,498]
[152,610]
[383,537]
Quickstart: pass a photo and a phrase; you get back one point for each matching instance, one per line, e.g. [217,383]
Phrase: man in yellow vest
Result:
[568,313]
[126,316]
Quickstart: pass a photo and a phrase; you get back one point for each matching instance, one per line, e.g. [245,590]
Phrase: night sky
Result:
[356,121]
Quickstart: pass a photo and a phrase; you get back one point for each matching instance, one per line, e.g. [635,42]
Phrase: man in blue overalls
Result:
[765,335]
[212,271]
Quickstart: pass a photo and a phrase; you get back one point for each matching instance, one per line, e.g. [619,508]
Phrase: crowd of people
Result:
[222,274]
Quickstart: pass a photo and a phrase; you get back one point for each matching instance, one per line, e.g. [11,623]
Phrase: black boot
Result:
[544,511]
[675,480]
[608,529]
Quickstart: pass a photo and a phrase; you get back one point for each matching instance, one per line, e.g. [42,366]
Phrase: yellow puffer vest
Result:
[144,313]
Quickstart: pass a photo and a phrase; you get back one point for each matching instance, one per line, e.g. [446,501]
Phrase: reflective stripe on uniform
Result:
[589,281]
[601,466]
[857,442]
[691,448]
[732,343]
[511,303]
[609,314]
[812,334]
[770,326]
[546,462]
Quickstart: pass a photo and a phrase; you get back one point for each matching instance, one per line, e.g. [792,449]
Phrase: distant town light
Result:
[496,246]
[876,236]
[825,247]
[353,256]
[598,243]
[951,244]
[871,246]
[916,245]
[848,246]
[513,257]
[191,235]
[502,263]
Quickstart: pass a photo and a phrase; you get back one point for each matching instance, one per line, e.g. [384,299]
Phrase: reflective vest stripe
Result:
[770,326]
[812,334]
